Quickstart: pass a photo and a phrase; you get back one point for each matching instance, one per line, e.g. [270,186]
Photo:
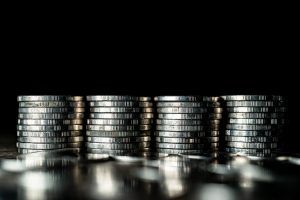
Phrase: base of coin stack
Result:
[255,124]
[119,125]
[49,123]
[187,124]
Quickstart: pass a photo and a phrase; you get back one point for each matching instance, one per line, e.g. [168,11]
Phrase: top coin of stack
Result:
[50,122]
[184,125]
[115,125]
[255,124]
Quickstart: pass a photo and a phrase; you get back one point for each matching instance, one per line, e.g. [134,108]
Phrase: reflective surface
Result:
[67,175]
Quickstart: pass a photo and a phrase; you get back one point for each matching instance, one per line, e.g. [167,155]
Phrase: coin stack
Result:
[255,124]
[115,123]
[187,124]
[49,123]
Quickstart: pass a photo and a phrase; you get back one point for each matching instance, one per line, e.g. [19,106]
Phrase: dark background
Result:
[240,56]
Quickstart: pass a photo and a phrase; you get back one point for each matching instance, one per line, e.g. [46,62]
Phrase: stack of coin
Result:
[49,122]
[115,123]
[187,124]
[255,124]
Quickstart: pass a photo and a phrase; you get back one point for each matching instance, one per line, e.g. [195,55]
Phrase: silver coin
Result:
[178,146]
[186,140]
[179,151]
[136,145]
[41,98]
[113,110]
[182,116]
[250,139]
[183,98]
[49,128]
[117,133]
[181,104]
[42,104]
[75,127]
[145,104]
[181,110]
[256,145]
[45,146]
[145,98]
[254,103]
[42,116]
[25,151]
[255,156]
[75,98]
[97,156]
[49,133]
[256,109]
[50,139]
[247,150]
[113,115]
[111,98]
[43,110]
[256,115]
[112,128]
[253,97]
[257,121]
[185,134]
[253,127]
[113,104]
[184,128]
[247,133]
[119,139]
[48,122]
[113,121]
[186,122]
[112,152]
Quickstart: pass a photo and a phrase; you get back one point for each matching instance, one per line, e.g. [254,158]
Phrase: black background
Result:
[80,58]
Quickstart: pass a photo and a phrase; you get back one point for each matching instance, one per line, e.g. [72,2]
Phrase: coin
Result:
[113,115]
[76,110]
[249,133]
[114,109]
[113,121]
[182,116]
[179,151]
[254,103]
[49,133]
[113,104]
[251,151]
[257,121]
[112,152]
[41,146]
[124,146]
[42,116]
[50,139]
[146,121]
[75,98]
[41,98]
[146,115]
[144,98]
[146,110]
[182,122]
[186,134]
[257,145]
[186,140]
[253,97]
[182,104]
[42,104]
[116,133]
[49,128]
[75,115]
[145,104]
[184,128]
[256,115]
[256,109]
[111,98]
[118,139]
[48,122]
[181,110]
[43,110]
[253,127]
[179,146]
[112,127]
[251,139]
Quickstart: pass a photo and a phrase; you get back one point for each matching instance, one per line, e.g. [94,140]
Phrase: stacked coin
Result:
[255,124]
[115,125]
[187,124]
[50,122]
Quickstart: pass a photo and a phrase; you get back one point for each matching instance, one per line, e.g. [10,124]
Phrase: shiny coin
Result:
[179,151]
[111,98]
[182,104]
[146,121]
[25,151]
[248,133]
[257,145]
[117,133]
[119,139]
[113,121]
[75,115]
[135,145]
[250,139]
[257,121]
[94,156]
[113,152]
[49,133]
[185,134]
[76,110]
[253,127]
[185,128]
[113,115]
[42,110]
[145,104]
[186,140]
[77,104]
[145,127]
[181,110]
[48,122]
[41,98]
[183,98]
[182,116]
[146,115]
[186,122]
[42,104]
[144,98]
[146,110]
[256,109]
[112,128]
[75,98]
[74,145]
[50,139]
[41,146]
[254,103]
[114,110]
[247,150]
[49,128]
[252,98]
[256,115]
[42,116]
[178,146]
[113,104]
